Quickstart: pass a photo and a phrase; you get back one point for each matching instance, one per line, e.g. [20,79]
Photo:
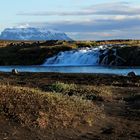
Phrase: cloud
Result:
[99,25]
[118,8]
[120,34]
[113,28]
[103,21]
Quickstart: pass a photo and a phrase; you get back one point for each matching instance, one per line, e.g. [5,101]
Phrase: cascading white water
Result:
[85,56]
[101,55]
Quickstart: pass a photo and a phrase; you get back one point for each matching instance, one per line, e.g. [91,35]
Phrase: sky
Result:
[80,19]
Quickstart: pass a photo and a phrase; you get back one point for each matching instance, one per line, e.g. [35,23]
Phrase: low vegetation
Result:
[44,106]
[93,93]
[34,108]
[28,54]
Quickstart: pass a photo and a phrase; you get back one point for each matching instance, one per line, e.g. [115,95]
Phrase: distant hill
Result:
[32,33]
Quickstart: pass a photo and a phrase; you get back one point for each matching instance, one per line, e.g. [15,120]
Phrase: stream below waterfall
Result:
[73,69]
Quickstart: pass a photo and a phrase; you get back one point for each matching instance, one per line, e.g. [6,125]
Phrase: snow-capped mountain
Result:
[32,33]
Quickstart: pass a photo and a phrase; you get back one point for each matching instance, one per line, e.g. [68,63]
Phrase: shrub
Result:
[83,91]
[62,87]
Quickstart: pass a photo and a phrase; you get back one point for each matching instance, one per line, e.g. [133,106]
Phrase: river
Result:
[73,69]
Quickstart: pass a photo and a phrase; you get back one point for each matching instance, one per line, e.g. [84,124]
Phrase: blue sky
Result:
[80,19]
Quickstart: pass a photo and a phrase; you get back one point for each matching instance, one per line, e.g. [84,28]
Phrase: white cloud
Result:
[102,21]
[116,8]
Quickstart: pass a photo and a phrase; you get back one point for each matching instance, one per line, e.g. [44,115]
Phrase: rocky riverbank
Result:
[118,53]
[121,55]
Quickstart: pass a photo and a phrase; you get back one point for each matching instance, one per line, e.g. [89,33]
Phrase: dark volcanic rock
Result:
[110,57]
[131,55]
[121,56]
[131,74]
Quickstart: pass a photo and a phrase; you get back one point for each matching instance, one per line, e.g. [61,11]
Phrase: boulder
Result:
[14,71]
[131,74]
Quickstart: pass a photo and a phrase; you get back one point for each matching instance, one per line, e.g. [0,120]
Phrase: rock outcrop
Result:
[121,56]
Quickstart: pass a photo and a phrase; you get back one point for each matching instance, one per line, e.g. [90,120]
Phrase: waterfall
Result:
[85,56]
[101,55]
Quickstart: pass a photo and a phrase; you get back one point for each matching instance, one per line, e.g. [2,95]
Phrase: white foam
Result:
[84,56]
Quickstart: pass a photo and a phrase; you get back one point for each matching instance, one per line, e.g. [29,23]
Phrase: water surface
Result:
[73,69]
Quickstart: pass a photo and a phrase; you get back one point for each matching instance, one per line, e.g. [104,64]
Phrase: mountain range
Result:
[32,33]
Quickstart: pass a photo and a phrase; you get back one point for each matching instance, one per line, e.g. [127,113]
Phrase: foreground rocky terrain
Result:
[54,106]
